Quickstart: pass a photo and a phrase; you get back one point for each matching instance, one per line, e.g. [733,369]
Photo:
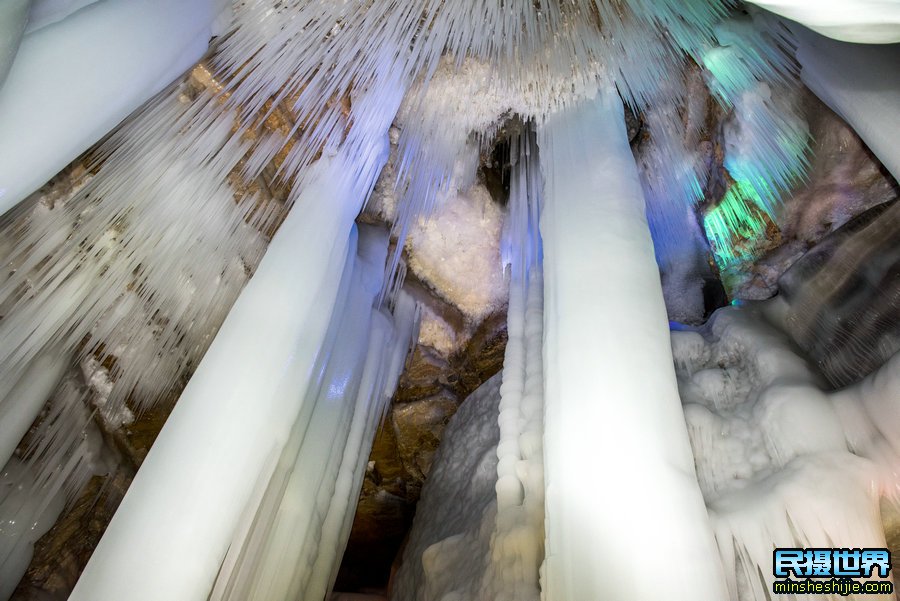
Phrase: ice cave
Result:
[449,300]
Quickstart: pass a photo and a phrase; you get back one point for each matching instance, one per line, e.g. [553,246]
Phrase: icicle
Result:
[291,550]
[140,265]
[612,407]
[766,138]
[35,486]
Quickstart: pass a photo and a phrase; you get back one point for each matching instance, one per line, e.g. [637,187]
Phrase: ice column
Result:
[517,541]
[861,83]
[295,530]
[172,530]
[624,513]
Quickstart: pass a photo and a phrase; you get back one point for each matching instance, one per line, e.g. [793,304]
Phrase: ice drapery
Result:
[612,406]
[781,463]
[295,530]
[517,548]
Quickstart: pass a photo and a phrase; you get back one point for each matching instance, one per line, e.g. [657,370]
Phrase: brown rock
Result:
[844,180]
[481,358]
[422,377]
[418,427]
[61,554]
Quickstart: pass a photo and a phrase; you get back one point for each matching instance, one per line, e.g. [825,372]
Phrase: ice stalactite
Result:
[780,462]
[492,547]
[612,406]
[147,256]
[675,163]
[140,283]
[860,21]
[861,83]
[60,457]
[295,529]
[140,265]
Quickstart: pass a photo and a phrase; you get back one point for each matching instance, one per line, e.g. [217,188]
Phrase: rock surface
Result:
[844,180]
[403,453]
[844,296]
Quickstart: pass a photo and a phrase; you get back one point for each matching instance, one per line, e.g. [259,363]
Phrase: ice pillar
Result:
[295,530]
[625,518]
[172,530]
[861,83]
[518,537]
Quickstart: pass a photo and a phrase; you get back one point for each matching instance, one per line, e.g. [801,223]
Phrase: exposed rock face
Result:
[419,426]
[403,453]
[844,296]
[62,553]
[447,540]
[844,180]
[456,275]
[60,556]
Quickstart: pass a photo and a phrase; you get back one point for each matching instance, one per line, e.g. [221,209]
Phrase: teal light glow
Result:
[735,224]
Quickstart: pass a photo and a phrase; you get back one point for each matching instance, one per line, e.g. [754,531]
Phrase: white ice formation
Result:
[53,108]
[861,21]
[781,463]
[858,82]
[603,286]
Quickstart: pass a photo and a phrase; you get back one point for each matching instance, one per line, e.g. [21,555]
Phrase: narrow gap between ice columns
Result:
[621,487]
[170,534]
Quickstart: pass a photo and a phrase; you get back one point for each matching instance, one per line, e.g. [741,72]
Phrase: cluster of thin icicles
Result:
[131,275]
